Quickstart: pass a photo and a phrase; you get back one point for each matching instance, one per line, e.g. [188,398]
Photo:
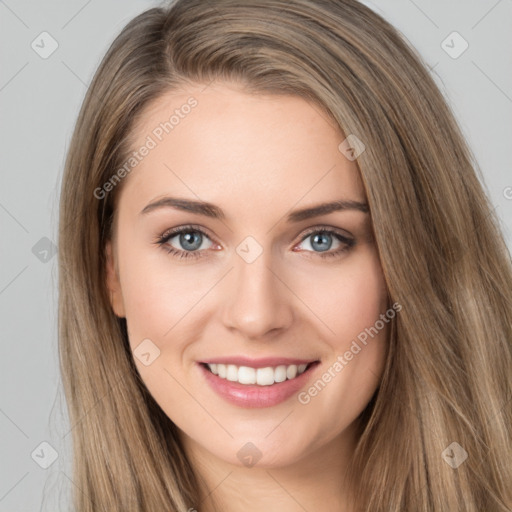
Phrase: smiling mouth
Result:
[258,376]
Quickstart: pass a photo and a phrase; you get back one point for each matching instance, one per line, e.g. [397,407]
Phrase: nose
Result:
[257,302]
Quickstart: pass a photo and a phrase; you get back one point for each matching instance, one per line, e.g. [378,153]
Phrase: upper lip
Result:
[262,362]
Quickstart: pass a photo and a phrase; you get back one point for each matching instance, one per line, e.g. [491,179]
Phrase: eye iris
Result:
[322,238]
[186,238]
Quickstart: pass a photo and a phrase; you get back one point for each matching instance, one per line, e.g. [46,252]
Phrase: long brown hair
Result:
[448,373]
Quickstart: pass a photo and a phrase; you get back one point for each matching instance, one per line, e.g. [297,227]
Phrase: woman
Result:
[215,356]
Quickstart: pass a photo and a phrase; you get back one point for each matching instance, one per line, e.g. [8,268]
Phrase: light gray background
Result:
[39,102]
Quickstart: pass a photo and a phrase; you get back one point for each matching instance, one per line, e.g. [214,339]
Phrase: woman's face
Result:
[259,284]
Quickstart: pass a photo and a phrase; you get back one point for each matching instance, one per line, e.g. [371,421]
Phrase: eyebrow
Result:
[214,212]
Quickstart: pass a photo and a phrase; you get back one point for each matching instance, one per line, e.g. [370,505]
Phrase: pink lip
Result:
[252,396]
[257,363]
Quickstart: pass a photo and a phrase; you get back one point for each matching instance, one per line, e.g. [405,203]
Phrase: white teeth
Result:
[232,372]
[280,373]
[265,376]
[291,371]
[260,376]
[246,375]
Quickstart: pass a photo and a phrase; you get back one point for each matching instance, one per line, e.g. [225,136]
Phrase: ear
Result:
[113,283]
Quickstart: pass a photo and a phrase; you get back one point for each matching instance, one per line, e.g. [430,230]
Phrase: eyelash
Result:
[167,235]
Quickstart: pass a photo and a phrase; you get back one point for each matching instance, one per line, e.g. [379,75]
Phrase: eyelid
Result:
[190,227]
[323,227]
[343,237]
[305,233]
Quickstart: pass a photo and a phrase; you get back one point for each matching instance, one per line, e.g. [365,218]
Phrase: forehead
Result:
[228,147]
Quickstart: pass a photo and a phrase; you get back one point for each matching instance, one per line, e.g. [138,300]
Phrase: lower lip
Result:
[251,396]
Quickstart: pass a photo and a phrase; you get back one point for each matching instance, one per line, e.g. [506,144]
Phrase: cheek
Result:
[159,306]
[158,295]
[351,306]
[351,299]
[358,346]
[154,297]
[147,304]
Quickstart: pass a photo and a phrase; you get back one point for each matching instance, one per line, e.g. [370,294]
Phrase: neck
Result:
[315,481]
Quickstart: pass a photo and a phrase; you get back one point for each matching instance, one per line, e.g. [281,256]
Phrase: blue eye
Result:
[191,238]
[321,239]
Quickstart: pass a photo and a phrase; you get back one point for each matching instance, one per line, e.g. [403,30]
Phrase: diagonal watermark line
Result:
[404,302]
[269,22]
[207,85]
[12,280]
[199,403]
[286,491]
[424,14]
[74,74]
[419,284]
[95,94]
[85,494]
[213,5]
[193,191]
[300,199]
[94,405]
[300,299]
[492,81]
[420,421]
[14,14]
[431,69]
[481,461]
[75,15]
[216,487]
[14,485]
[15,424]
[507,402]
[14,76]
[408,89]
[213,286]
[13,217]
[276,14]
[320,112]
[280,423]
[485,15]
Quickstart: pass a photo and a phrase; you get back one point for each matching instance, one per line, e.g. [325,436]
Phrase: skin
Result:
[258,158]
